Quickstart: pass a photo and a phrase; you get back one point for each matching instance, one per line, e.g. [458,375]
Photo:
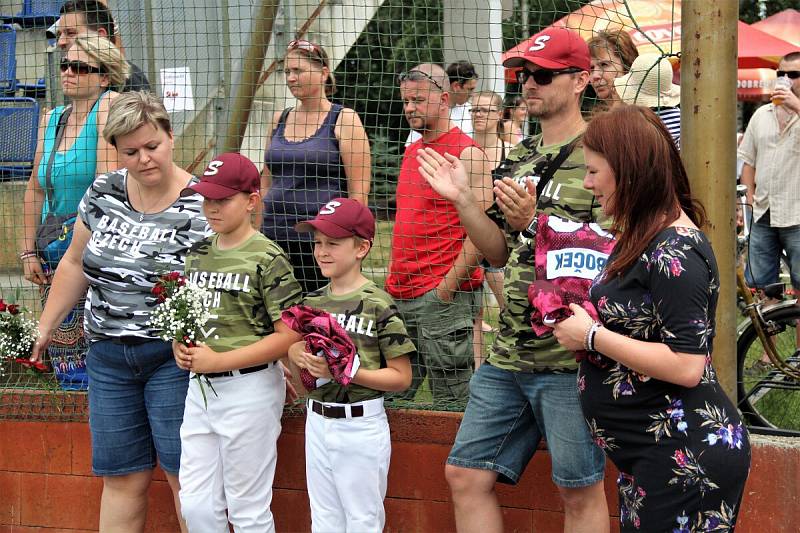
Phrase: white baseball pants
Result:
[229,452]
[347,463]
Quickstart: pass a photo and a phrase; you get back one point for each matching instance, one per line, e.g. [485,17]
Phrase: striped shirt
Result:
[671,117]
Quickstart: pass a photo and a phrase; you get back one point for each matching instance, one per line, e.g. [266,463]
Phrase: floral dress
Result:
[683,453]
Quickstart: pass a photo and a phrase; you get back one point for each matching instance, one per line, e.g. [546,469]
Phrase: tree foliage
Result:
[404,33]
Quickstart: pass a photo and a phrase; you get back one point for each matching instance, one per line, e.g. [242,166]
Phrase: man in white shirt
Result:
[463,80]
[771,154]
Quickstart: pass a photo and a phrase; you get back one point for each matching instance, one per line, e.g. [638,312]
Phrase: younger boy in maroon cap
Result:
[229,437]
[347,434]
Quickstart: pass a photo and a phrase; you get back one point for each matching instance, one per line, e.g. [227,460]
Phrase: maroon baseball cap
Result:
[554,49]
[226,175]
[340,218]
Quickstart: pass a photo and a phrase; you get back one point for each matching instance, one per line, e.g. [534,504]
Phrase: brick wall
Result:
[46,482]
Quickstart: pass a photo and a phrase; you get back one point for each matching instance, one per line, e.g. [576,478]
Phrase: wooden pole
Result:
[252,64]
[708,149]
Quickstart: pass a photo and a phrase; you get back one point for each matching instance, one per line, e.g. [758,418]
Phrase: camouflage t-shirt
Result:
[370,317]
[516,346]
[127,252]
[250,286]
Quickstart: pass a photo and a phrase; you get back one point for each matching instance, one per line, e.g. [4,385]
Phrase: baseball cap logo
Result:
[539,43]
[213,168]
[329,208]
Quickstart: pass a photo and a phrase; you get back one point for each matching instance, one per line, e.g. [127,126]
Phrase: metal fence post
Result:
[708,149]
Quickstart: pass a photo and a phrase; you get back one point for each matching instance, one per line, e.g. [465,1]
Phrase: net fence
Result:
[226,71]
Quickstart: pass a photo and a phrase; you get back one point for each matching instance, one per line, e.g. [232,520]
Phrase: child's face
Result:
[339,257]
[231,213]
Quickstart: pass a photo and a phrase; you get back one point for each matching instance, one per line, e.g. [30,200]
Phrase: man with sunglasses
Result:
[434,275]
[527,390]
[770,150]
[79,17]
[463,80]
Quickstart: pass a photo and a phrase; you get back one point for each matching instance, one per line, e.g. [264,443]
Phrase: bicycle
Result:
[768,359]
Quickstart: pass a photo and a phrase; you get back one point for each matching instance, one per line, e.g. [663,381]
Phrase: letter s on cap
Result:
[213,168]
[329,208]
[539,43]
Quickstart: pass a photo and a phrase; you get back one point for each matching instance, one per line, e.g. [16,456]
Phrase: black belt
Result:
[229,373]
[130,340]
[336,411]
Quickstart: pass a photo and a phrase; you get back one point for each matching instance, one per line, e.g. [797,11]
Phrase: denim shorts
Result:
[510,412]
[136,400]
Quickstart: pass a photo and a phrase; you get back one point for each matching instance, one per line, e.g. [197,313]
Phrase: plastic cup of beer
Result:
[780,83]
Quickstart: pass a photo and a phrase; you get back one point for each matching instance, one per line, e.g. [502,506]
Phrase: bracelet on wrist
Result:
[26,254]
[591,335]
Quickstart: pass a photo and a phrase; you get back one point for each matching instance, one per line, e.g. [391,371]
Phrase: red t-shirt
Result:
[428,235]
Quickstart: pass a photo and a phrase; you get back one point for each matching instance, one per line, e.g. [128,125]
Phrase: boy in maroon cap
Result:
[347,434]
[229,445]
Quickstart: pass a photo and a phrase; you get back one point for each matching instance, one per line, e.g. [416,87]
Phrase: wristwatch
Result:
[530,231]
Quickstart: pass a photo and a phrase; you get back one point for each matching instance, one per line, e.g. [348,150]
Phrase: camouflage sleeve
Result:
[279,288]
[392,335]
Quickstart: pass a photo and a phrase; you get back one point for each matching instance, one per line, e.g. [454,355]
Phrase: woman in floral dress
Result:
[648,390]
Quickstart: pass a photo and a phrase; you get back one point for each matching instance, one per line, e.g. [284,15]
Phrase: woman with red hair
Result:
[648,389]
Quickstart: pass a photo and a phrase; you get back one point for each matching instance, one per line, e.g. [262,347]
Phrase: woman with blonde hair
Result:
[486,111]
[317,151]
[132,226]
[70,152]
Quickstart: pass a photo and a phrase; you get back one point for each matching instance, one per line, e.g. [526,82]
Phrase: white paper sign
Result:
[177,86]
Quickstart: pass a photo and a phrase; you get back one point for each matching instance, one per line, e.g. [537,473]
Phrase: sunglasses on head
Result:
[306,46]
[79,67]
[418,75]
[791,74]
[542,76]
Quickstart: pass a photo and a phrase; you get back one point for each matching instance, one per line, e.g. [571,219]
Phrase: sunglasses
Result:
[79,67]
[542,76]
[791,74]
[306,46]
[418,75]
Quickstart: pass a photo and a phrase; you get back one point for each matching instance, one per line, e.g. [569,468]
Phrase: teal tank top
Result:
[74,170]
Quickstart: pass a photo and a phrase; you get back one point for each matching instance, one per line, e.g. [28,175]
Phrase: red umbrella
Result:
[752,83]
[758,49]
[784,25]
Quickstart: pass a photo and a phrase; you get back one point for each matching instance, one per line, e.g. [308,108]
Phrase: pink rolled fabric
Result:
[569,255]
[324,337]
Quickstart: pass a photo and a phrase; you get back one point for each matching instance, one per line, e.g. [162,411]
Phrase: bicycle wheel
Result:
[767,397]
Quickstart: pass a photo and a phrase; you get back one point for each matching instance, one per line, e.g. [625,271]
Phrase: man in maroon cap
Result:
[527,391]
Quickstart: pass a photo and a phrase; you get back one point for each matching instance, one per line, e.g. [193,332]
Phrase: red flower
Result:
[173,276]
[158,290]
[13,309]
[680,458]
[2,306]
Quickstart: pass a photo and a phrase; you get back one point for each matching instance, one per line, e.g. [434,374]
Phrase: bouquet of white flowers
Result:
[181,314]
[18,333]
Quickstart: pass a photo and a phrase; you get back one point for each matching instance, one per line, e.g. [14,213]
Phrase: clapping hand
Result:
[518,203]
[446,174]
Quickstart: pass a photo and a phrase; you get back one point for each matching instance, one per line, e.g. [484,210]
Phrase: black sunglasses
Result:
[791,74]
[542,76]
[79,67]
[418,75]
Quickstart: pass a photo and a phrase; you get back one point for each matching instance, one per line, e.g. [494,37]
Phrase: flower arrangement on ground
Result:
[181,314]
